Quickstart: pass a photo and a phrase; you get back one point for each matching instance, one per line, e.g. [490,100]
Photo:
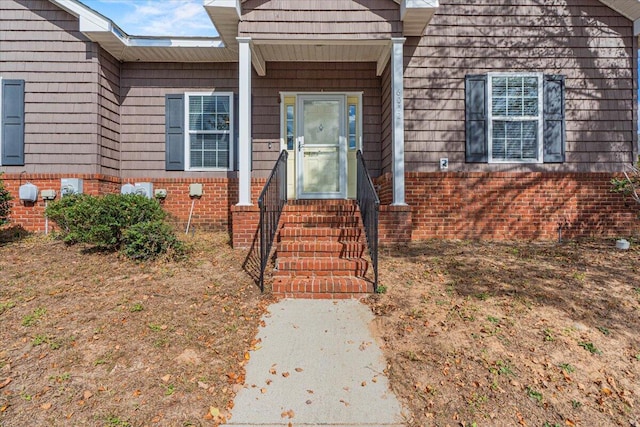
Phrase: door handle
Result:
[300,144]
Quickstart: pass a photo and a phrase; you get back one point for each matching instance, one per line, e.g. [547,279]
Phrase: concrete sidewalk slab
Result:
[318,365]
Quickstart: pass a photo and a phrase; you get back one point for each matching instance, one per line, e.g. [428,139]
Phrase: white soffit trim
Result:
[416,14]
[122,46]
[225,15]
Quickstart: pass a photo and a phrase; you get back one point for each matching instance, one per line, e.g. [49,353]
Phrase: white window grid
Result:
[537,118]
[188,132]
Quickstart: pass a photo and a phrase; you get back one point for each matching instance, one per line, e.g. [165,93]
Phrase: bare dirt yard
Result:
[475,333]
[508,334]
[93,339]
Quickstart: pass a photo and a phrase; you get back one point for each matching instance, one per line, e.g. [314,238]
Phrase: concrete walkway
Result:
[318,365]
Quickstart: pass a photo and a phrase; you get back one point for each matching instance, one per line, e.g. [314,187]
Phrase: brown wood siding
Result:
[143,87]
[312,77]
[40,43]
[584,40]
[314,19]
[109,109]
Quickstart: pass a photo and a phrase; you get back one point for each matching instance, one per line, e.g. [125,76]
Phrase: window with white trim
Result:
[515,117]
[209,135]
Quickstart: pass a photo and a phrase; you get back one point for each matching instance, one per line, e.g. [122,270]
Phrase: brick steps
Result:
[322,287]
[320,251]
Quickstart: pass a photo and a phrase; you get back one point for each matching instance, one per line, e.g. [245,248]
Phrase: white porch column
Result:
[244,121]
[397,110]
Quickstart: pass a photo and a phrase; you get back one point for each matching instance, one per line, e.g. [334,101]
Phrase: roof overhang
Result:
[225,16]
[416,14]
[627,8]
[124,47]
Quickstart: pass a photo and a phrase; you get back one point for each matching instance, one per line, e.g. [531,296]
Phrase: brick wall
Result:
[211,211]
[502,205]
[496,205]
[30,216]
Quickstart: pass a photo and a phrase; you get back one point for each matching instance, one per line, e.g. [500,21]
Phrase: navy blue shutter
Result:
[174,132]
[554,135]
[12,121]
[476,129]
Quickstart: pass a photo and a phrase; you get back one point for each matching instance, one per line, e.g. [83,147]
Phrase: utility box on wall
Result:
[28,192]
[139,188]
[70,186]
[144,189]
[195,190]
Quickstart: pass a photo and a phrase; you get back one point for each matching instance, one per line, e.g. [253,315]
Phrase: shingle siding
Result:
[143,88]
[109,109]
[41,44]
[326,19]
[589,43]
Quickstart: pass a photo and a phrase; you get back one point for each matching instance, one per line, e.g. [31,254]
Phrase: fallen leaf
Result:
[285,374]
[247,356]
[166,378]
[273,371]
[46,406]
[263,390]
[345,402]
[213,411]
[363,383]
[570,423]
[374,379]
[290,414]
[606,391]
[137,392]
[87,394]
[299,369]
[5,383]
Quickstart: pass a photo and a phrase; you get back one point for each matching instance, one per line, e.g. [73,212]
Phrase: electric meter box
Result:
[28,192]
[70,186]
[144,189]
[127,189]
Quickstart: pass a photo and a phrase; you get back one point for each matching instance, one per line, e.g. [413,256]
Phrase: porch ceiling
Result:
[322,50]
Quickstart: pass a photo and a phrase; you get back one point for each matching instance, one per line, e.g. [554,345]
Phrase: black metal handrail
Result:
[271,202]
[369,205]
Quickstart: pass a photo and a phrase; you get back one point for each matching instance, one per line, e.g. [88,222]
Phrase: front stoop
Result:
[320,251]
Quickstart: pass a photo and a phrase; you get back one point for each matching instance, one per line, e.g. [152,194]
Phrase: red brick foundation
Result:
[441,205]
[514,205]
[244,226]
[211,211]
[394,224]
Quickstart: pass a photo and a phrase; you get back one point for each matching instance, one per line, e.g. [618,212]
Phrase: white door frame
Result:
[342,144]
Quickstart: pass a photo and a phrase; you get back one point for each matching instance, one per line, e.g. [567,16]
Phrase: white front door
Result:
[321,147]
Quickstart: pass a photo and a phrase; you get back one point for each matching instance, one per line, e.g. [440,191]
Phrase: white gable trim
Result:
[122,46]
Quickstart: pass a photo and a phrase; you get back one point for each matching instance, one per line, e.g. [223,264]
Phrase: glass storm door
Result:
[321,147]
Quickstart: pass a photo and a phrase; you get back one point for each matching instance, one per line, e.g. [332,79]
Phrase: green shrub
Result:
[5,206]
[630,184]
[151,239]
[102,221]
